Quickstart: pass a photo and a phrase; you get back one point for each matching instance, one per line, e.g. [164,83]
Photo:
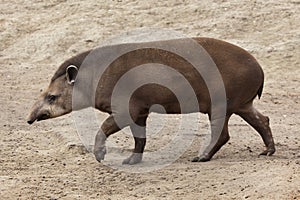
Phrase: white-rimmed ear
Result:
[71,74]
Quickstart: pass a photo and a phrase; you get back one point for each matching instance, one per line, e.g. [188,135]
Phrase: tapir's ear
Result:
[71,74]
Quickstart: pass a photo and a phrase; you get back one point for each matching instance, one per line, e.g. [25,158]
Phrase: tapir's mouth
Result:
[39,118]
[43,117]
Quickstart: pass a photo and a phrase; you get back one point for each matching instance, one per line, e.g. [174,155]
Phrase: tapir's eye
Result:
[51,98]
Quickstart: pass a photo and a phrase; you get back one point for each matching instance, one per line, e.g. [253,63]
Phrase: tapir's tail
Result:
[260,90]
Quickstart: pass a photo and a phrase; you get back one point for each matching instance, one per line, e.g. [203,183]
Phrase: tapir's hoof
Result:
[133,159]
[268,152]
[202,158]
[99,154]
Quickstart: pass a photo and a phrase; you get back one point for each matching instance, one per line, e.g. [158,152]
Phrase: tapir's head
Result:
[57,99]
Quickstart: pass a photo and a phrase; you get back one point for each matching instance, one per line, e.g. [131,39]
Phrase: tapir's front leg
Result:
[108,127]
[138,130]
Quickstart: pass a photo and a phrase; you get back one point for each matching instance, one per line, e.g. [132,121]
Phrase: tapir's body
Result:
[241,75]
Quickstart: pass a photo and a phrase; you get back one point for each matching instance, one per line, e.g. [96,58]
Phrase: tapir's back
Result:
[241,74]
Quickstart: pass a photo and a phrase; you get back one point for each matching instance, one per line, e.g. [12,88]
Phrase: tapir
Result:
[242,79]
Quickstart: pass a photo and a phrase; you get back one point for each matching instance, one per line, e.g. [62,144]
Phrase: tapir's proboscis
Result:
[242,79]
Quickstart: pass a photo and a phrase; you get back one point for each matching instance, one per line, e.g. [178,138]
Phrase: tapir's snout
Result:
[38,112]
[30,121]
[38,117]
[32,118]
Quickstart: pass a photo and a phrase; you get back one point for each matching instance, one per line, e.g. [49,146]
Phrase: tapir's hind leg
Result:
[219,137]
[261,124]
[139,133]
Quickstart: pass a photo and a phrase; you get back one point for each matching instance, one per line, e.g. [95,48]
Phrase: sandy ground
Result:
[46,160]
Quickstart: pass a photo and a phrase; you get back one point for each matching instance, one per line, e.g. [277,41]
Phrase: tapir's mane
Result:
[76,60]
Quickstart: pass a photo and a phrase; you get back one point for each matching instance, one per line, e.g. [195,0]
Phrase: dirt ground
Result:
[47,161]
